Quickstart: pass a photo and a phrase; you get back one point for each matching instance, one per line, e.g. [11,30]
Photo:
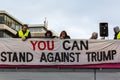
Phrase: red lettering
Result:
[48,45]
[42,45]
[33,44]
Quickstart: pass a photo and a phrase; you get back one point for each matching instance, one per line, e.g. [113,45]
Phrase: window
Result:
[1,34]
[1,19]
[38,30]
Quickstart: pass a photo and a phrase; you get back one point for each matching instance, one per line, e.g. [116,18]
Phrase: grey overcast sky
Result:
[78,17]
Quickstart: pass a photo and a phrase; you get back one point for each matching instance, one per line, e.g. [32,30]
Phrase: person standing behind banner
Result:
[63,35]
[49,34]
[24,33]
[117,32]
[94,35]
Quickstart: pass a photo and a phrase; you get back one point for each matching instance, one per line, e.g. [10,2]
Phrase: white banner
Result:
[58,52]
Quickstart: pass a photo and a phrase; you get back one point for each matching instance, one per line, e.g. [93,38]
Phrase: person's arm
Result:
[115,35]
[17,36]
[29,35]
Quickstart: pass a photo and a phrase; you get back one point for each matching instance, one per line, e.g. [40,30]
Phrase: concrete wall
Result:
[59,74]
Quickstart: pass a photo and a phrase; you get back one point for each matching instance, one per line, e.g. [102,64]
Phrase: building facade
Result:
[37,30]
[9,25]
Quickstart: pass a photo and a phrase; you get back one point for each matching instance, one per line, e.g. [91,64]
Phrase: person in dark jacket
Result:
[24,33]
[64,35]
[48,34]
[117,32]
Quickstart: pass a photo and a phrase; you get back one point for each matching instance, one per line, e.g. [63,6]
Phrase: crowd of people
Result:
[24,34]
